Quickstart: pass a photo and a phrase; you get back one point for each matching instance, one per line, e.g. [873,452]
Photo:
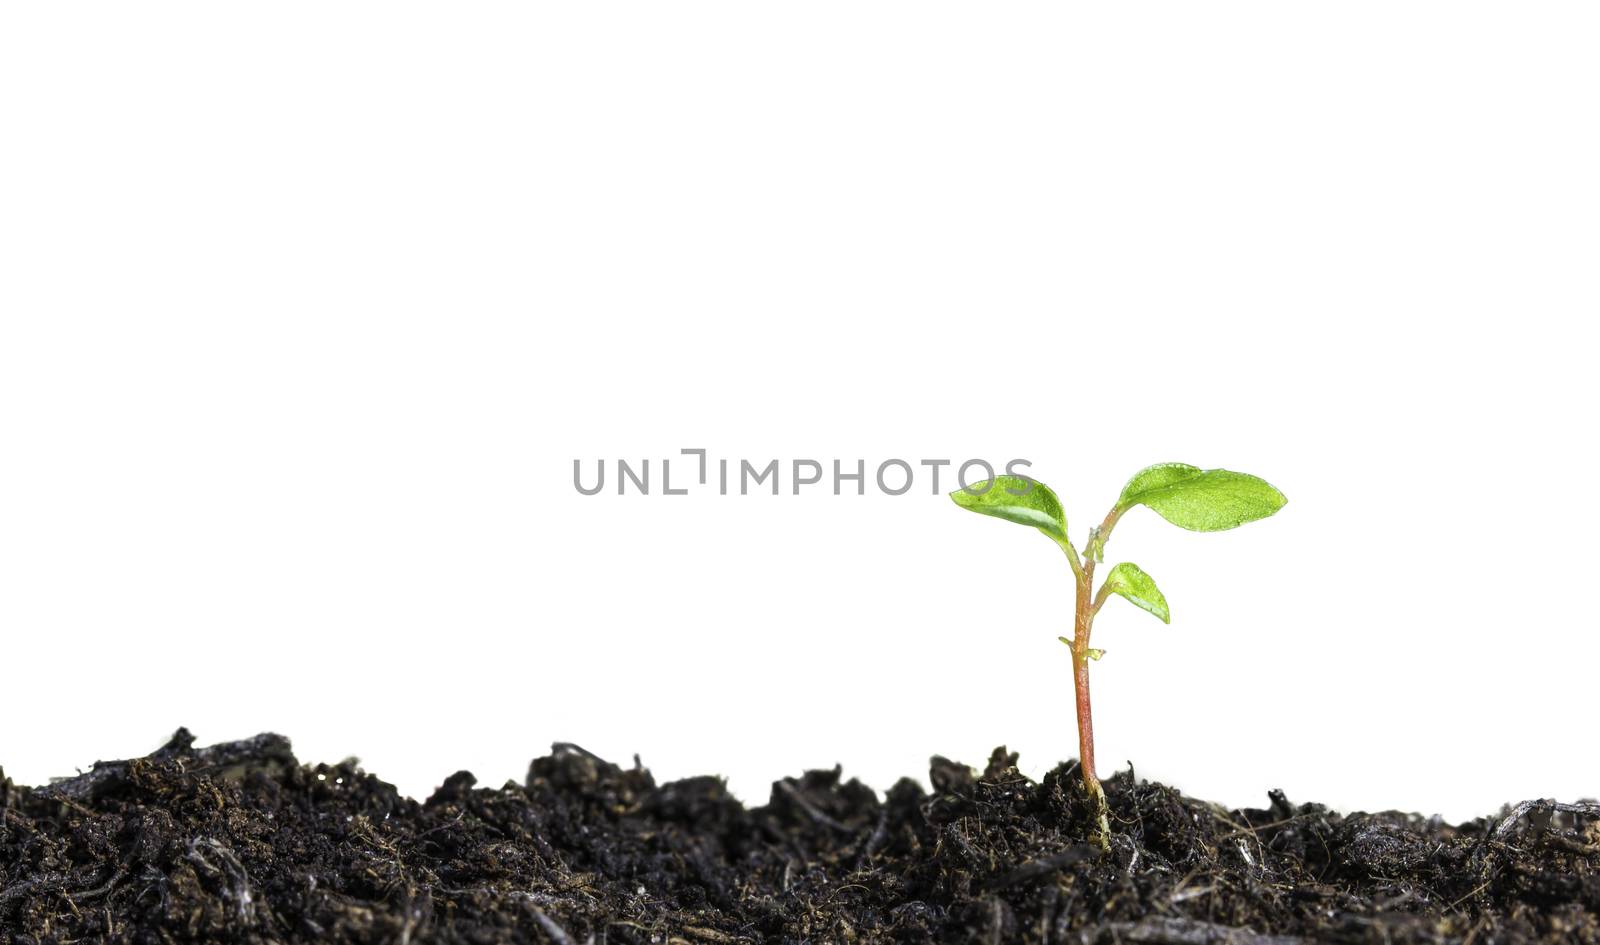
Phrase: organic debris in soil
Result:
[241,843]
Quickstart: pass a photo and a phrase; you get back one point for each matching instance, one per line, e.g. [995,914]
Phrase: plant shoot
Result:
[1200,500]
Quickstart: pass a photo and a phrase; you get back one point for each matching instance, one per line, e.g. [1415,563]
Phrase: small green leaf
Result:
[1095,550]
[1138,587]
[1091,652]
[1015,499]
[1201,500]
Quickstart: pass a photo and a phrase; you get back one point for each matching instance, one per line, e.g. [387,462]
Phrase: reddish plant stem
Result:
[1083,623]
[1080,676]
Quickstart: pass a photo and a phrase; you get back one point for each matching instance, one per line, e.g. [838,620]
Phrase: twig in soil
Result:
[810,810]
[1184,895]
[1509,825]
[1044,866]
[708,935]
[17,889]
[1270,825]
[1481,887]
[261,749]
[551,927]
[232,871]
[1174,931]
[875,842]
[1572,846]
[1239,830]
[117,877]
[409,910]
[557,748]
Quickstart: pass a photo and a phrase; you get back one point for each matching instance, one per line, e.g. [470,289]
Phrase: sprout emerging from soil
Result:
[1201,500]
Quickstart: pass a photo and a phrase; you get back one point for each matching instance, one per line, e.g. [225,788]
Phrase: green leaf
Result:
[1138,587]
[1015,499]
[1091,652]
[1201,500]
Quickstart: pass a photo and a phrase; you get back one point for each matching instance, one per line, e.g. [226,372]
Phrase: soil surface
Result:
[241,843]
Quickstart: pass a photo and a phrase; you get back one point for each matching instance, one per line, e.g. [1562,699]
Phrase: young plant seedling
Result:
[1201,500]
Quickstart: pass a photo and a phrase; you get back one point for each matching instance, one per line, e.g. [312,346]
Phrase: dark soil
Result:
[241,843]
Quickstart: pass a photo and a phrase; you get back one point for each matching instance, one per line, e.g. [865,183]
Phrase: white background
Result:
[308,308]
